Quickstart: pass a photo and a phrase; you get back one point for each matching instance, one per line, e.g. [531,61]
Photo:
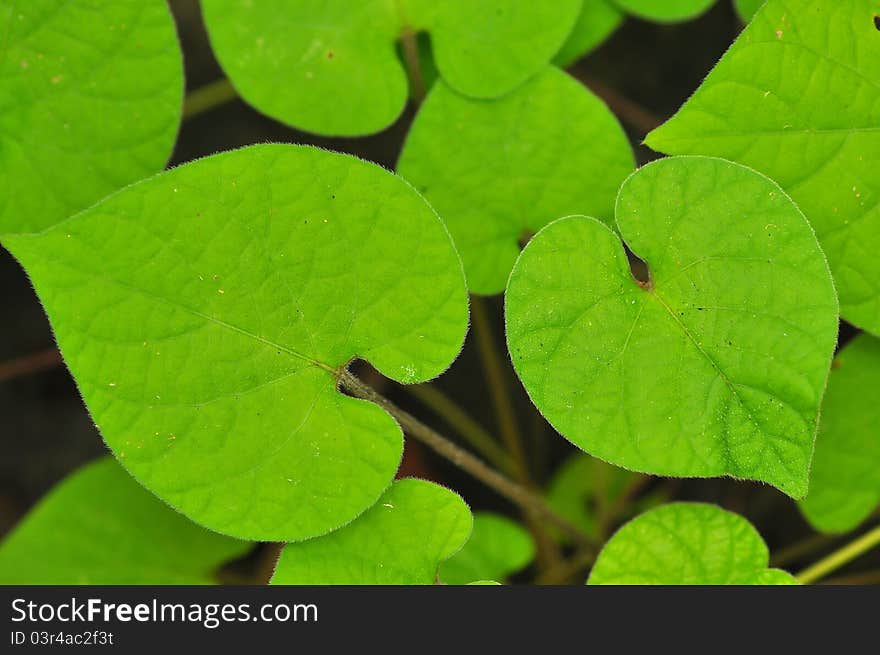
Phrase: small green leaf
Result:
[583,485]
[597,21]
[204,314]
[717,365]
[747,8]
[498,170]
[665,11]
[90,101]
[687,544]
[845,482]
[402,539]
[331,68]
[98,526]
[797,97]
[497,548]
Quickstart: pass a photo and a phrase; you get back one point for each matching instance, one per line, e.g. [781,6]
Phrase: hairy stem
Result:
[462,423]
[515,493]
[840,557]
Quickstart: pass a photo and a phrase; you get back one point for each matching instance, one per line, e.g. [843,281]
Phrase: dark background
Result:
[644,72]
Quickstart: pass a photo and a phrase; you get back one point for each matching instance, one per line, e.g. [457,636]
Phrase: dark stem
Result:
[413,69]
[515,493]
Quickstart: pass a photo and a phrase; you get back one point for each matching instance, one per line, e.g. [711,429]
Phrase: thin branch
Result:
[413,68]
[800,549]
[208,97]
[566,570]
[39,361]
[627,110]
[462,423]
[515,493]
[840,557]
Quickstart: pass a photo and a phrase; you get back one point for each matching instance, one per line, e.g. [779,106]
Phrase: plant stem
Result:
[566,570]
[516,493]
[628,111]
[413,69]
[268,562]
[497,383]
[864,578]
[44,359]
[840,557]
[800,549]
[467,427]
[208,97]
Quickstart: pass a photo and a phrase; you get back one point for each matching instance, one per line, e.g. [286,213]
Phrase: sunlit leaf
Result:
[687,544]
[497,171]
[205,313]
[797,97]
[718,364]
[402,539]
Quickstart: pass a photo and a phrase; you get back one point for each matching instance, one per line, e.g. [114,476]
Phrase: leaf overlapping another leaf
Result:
[717,365]
[797,97]
[402,539]
[205,313]
[332,67]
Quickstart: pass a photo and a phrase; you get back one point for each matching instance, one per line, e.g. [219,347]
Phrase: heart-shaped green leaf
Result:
[498,170]
[497,548]
[717,365]
[90,100]
[402,539]
[597,21]
[99,526]
[332,67]
[205,313]
[747,8]
[797,97]
[845,482]
[687,544]
[665,11]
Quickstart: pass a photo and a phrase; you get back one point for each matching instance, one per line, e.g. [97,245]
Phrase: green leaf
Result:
[845,482]
[332,68]
[498,170]
[716,366]
[498,547]
[597,21]
[205,312]
[583,485]
[98,526]
[665,11]
[402,539]
[90,101]
[687,544]
[797,97]
[747,8]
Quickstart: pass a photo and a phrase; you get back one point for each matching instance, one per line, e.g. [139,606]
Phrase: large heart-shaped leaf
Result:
[716,365]
[497,548]
[332,67]
[402,539]
[205,314]
[845,482]
[798,98]
[665,11]
[687,544]
[99,526]
[596,22]
[498,170]
[90,100]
